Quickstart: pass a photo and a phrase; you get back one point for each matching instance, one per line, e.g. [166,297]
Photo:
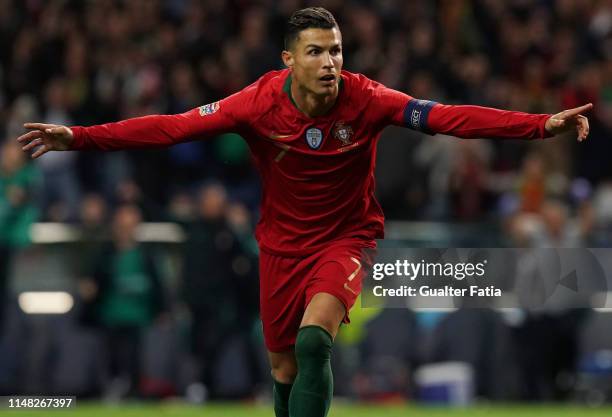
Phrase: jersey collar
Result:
[287,90]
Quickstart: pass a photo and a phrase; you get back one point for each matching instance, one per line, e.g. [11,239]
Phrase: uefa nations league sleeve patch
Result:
[207,109]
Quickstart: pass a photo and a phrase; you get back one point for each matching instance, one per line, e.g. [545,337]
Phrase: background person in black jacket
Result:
[219,284]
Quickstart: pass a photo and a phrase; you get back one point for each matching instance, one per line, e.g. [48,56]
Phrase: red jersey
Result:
[317,173]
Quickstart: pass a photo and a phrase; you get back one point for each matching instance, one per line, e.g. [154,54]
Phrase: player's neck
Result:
[311,104]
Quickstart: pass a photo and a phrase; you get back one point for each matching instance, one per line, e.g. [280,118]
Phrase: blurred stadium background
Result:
[189,326]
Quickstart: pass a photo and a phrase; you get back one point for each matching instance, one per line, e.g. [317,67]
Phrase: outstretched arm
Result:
[390,106]
[141,132]
[484,122]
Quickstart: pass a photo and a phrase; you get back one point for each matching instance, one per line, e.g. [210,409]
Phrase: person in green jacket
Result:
[18,180]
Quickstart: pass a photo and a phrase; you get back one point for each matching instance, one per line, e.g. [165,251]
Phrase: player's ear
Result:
[287,58]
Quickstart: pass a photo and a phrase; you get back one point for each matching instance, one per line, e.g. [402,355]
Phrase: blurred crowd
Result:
[88,62]
[82,63]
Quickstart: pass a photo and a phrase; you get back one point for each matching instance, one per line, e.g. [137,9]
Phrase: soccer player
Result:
[312,130]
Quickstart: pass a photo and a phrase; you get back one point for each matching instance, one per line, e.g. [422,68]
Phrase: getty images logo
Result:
[529,278]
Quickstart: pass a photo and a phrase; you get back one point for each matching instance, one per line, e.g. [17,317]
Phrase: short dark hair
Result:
[311,17]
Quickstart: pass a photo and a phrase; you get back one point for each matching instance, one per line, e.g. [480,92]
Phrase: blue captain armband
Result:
[416,113]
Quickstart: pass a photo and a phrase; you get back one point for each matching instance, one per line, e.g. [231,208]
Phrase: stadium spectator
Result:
[94,238]
[18,181]
[219,279]
[128,297]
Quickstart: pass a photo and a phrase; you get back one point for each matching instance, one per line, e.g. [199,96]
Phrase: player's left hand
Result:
[570,119]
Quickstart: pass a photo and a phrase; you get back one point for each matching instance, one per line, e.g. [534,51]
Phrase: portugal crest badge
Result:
[343,133]
[314,137]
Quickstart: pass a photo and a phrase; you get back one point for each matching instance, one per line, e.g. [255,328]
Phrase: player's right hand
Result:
[46,137]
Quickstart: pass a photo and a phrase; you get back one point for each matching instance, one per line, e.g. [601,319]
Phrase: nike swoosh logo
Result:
[346,287]
[279,136]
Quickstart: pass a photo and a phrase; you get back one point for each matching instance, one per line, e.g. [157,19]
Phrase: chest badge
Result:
[343,133]
[314,137]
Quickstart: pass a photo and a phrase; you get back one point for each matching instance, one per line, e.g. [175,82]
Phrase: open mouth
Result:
[328,78]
